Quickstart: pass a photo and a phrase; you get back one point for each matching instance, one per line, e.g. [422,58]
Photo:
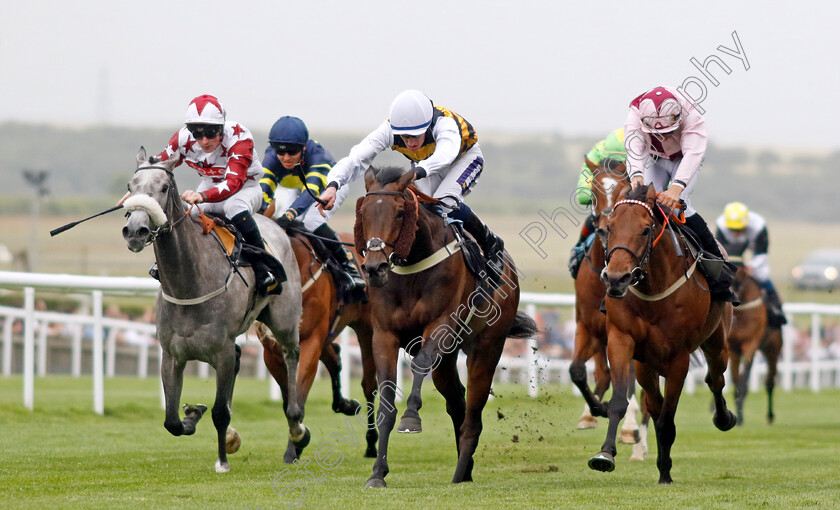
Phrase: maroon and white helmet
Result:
[659,110]
[205,109]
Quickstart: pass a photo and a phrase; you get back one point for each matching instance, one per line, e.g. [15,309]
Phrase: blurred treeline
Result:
[89,168]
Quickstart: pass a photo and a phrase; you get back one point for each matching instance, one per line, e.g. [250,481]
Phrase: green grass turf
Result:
[61,455]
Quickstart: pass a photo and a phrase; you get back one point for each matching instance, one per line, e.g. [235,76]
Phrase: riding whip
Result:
[73,224]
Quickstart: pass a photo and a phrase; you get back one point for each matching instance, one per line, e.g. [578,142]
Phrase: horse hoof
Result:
[587,423]
[222,468]
[629,436]
[410,425]
[602,462]
[232,440]
[375,483]
[304,441]
[726,422]
[347,407]
[194,411]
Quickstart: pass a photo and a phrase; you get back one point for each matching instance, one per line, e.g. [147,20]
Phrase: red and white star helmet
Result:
[659,110]
[205,109]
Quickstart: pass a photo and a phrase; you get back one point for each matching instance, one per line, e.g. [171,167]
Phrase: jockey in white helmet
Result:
[445,157]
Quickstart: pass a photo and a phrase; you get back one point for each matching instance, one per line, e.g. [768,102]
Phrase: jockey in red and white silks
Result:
[230,174]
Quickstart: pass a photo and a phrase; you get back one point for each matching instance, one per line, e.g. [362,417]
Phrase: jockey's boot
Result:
[344,258]
[579,249]
[491,244]
[775,316]
[720,285]
[246,225]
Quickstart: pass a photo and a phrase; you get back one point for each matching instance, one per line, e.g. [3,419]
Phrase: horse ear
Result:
[622,193]
[141,155]
[589,164]
[370,179]
[651,195]
[406,179]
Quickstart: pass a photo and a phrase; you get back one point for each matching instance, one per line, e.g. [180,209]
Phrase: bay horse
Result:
[203,305]
[424,299]
[658,312]
[751,332]
[324,317]
[609,178]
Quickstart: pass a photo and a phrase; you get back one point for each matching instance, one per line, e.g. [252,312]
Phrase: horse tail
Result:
[523,326]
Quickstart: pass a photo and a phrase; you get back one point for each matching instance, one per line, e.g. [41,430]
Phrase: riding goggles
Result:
[291,149]
[200,131]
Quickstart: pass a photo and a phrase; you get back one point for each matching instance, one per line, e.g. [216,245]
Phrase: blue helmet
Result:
[288,130]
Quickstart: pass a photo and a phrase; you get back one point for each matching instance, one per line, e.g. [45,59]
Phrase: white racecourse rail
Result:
[532,367]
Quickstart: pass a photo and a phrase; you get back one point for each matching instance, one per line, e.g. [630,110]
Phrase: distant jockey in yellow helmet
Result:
[739,230]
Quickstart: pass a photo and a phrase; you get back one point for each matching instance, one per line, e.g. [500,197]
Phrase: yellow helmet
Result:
[736,216]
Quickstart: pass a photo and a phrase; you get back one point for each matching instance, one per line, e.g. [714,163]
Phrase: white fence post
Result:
[7,346]
[42,348]
[76,350]
[29,348]
[98,376]
[531,354]
[815,352]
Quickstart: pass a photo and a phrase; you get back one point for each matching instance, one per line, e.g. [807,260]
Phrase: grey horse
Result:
[203,305]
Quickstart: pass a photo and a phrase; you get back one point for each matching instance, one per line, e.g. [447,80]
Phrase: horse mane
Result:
[387,174]
[638,193]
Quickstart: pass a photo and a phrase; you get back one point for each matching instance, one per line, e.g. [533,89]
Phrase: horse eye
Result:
[601,232]
[646,231]
[165,188]
[400,213]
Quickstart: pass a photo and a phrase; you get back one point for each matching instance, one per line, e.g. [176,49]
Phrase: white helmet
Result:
[411,113]
[660,110]
[205,109]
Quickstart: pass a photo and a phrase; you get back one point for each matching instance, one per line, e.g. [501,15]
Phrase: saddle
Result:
[238,252]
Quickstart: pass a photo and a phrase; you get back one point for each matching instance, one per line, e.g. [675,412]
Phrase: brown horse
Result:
[324,317]
[608,179]
[750,333]
[667,315]
[422,293]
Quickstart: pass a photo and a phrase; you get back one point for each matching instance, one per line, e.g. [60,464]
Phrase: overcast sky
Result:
[542,66]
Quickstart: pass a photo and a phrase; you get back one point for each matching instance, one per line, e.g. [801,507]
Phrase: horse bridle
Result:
[637,273]
[378,244]
[166,227]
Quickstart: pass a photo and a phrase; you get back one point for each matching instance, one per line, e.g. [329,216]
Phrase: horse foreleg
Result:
[225,365]
[425,361]
[587,347]
[771,347]
[666,430]
[741,390]
[640,449]
[481,369]
[298,433]
[449,385]
[619,351]
[364,336]
[172,376]
[331,358]
[715,351]
[386,371]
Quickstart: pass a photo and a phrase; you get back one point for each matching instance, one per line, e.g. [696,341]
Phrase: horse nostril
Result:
[143,232]
[625,279]
[125,232]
